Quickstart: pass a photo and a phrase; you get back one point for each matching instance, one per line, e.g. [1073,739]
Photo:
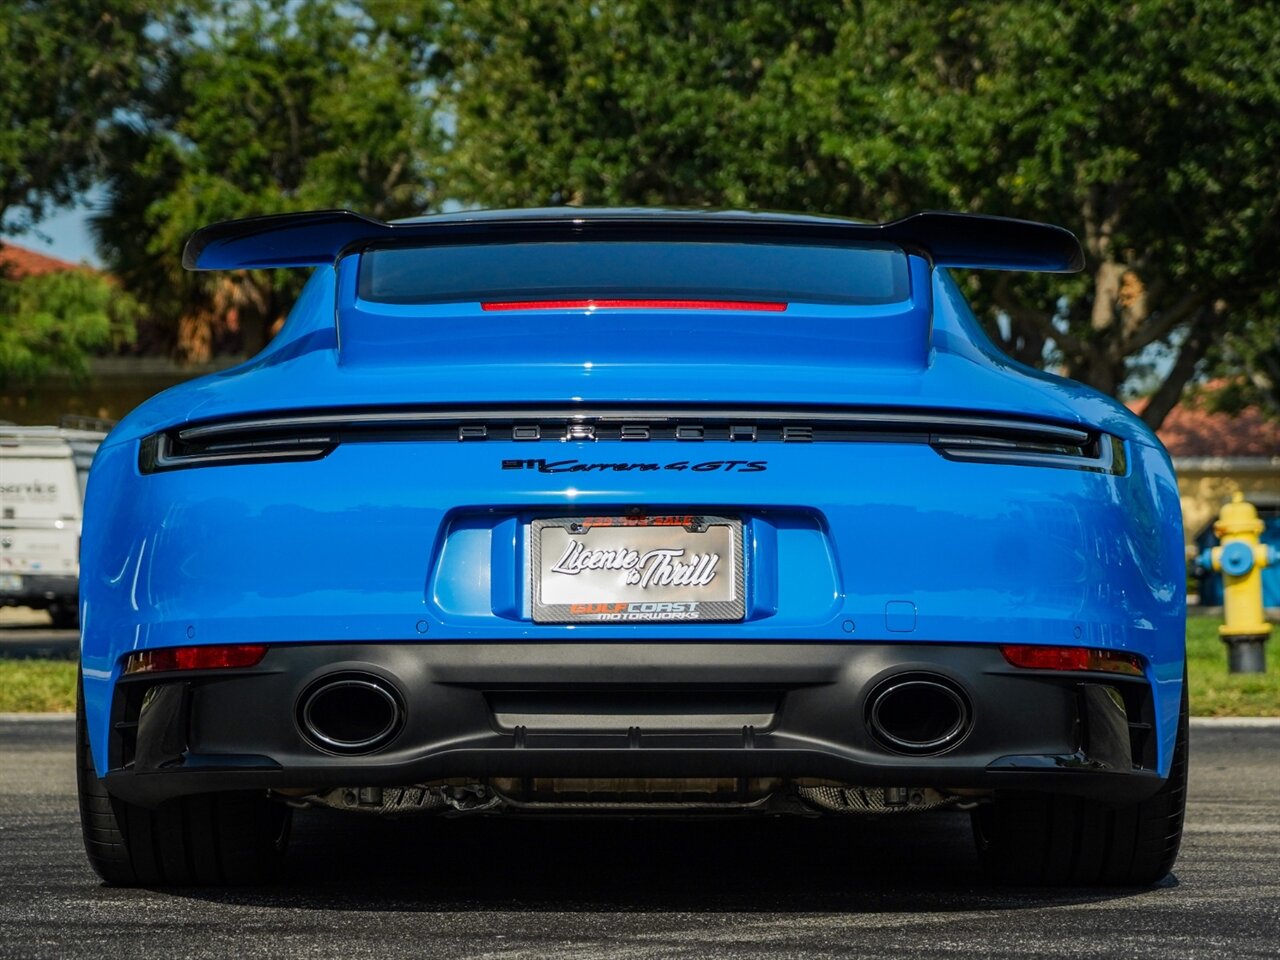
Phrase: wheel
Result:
[210,839]
[65,616]
[1060,841]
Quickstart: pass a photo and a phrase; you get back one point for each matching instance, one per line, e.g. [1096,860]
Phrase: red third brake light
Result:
[1072,658]
[762,305]
[218,657]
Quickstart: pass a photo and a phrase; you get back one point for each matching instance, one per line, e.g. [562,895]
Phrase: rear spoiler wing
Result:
[324,236]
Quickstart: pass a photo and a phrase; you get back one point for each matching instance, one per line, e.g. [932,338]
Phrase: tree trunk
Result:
[1169,392]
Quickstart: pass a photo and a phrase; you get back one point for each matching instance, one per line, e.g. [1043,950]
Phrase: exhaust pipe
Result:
[919,714]
[350,713]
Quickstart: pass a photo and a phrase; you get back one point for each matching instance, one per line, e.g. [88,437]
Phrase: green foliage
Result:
[1253,354]
[639,102]
[66,67]
[281,105]
[56,320]
[37,686]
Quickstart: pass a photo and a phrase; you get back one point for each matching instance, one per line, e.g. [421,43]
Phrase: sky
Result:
[63,234]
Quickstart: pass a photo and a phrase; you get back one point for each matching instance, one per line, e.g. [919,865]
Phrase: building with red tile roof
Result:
[1216,455]
[17,262]
[1193,432]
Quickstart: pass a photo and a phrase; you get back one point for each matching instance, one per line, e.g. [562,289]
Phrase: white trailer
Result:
[42,476]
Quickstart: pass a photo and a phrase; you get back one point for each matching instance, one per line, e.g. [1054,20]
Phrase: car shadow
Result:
[907,863]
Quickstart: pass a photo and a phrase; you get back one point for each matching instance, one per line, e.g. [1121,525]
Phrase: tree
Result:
[67,67]
[638,102]
[279,105]
[1150,127]
[55,320]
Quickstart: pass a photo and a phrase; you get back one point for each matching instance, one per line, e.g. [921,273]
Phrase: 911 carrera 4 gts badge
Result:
[636,569]
[577,466]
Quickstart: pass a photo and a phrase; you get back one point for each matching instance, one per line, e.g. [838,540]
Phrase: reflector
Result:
[216,657]
[1072,658]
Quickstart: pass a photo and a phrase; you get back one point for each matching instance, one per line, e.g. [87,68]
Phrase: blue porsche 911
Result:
[625,513]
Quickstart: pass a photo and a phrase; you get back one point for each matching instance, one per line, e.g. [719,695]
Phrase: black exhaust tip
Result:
[919,714]
[351,713]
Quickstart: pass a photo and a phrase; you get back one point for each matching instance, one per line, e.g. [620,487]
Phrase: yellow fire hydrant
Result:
[1240,557]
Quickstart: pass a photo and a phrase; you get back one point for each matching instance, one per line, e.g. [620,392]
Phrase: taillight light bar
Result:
[1072,658]
[213,657]
[635,304]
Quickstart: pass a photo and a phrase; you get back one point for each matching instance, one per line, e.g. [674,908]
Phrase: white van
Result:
[42,475]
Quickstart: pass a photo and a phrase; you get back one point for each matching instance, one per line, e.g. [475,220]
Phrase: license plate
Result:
[10,582]
[672,569]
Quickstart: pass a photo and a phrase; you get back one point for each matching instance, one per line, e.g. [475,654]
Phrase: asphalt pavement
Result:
[896,887]
[27,634]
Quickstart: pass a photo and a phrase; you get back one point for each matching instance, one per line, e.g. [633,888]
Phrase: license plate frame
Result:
[670,568]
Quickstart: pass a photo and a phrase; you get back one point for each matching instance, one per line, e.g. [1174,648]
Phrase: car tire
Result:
[210,839]
[1072,841]
[65,616]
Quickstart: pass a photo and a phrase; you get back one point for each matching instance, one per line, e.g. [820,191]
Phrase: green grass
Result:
[30,686]
[37,686]
[1216,693]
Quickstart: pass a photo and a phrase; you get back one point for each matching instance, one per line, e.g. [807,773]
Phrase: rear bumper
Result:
[787,710]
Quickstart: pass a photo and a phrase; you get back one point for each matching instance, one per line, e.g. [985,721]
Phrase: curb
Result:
[36,717]
[39,647]
[1237,723]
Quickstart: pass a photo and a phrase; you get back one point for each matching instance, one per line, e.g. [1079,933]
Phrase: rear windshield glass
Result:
[624,269]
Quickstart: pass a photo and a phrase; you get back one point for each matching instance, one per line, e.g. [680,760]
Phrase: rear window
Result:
[632,269]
